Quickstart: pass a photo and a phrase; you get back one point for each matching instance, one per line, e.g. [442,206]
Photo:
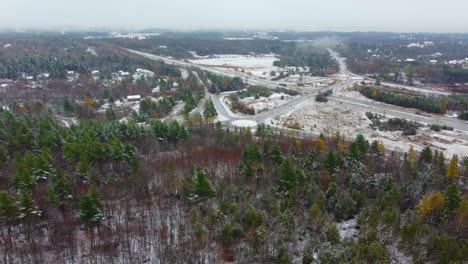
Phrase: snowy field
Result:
[244,61]
[258,65]
[332,117]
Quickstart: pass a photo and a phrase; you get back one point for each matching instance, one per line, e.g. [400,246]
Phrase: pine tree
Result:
[251,154]
[362,143]
[201,186]
[67,106]
[22,175]
[331,161]
[252,218]
[462,212]
[42,167]
[3,154]
[426,155]
[452,169]
[286,175]
[90,208]
[440,161]
[26,205]
[210,111]
[111,115]
[452,197]
[8,209]
[60,191]
[276,154]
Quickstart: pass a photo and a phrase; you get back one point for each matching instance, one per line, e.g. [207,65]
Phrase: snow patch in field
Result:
[243,61]
[244,123]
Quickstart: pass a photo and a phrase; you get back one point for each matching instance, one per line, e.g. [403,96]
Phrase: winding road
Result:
[345,78]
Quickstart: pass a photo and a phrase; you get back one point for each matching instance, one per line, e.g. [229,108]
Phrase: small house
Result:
[134,98]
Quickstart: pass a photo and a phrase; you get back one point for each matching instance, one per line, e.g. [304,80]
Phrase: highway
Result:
[399,112]
[346,79]
[250,79]
[345,72]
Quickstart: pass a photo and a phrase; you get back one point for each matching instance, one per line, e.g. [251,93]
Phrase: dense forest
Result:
[317,62]
[219,84]
[384,55]
[110,192]
[56,54]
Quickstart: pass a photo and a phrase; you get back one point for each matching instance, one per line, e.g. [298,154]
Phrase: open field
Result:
[332,117]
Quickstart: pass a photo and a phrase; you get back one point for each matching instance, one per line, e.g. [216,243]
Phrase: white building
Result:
[134,98]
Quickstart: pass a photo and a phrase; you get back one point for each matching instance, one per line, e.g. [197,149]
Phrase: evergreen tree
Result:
[252,218]
[22,175]
[68,106]
[426,155]
[251,154]
[3,154]
[276,154]
[60,191]
[26,205]
[331,161]
[8,209]
[286,175]
[452,197]
[111,115]
[90,208]
[201,186]
[42,167]
[210,110]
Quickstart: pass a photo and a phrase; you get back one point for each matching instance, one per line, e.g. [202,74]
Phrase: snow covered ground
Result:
[264,104]
[332,117]
[244,123]
[246,61]
[259,65]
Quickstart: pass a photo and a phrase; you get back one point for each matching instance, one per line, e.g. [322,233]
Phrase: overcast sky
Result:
[310,15]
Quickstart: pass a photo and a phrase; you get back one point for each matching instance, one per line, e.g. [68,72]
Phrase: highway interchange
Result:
[344,78]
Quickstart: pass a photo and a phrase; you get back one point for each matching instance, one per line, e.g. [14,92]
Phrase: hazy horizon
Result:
[299,15]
